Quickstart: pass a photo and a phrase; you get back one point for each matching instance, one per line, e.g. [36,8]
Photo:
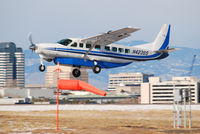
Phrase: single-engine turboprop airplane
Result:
[99,52]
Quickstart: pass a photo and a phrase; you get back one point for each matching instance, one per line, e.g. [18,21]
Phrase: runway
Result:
[89,107]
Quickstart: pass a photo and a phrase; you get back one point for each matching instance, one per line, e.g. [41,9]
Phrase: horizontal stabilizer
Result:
[167,50]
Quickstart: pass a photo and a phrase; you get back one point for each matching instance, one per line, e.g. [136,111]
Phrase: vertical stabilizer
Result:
[162,39]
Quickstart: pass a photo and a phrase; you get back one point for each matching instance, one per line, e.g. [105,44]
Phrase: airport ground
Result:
[94,122]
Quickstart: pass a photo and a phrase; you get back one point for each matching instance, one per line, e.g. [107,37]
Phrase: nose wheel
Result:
[76,72]
[96,69]
[42,68]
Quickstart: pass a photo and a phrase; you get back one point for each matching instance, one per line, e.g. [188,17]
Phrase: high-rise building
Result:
[11,65]
[65,73]
[127,82]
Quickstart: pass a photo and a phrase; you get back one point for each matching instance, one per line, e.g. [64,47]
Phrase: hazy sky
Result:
[52,20]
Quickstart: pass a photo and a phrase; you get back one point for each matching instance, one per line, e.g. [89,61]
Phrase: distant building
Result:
[158,92]
[65,73]
[127,82]
[7,101]
[11,65]
[27,93]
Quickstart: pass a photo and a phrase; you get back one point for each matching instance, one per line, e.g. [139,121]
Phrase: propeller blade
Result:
[32,46]
[30,38]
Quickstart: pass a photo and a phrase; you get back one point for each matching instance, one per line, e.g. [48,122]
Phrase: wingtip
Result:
[135,28]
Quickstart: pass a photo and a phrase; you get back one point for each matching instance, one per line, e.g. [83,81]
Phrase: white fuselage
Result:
[111,53]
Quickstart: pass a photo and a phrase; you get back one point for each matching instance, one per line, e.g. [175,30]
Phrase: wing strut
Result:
[93,45]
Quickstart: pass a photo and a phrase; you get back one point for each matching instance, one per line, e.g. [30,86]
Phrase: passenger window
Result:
[127,50]
[120,50]
[88,45]
[114,49]
[107,48]
[81,45]
[74,44]
[97,47]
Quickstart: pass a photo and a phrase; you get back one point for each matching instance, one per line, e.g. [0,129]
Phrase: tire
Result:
[76,73]
[96,69]
[42,68]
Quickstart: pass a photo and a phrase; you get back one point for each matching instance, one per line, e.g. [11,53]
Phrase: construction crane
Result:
[190,71]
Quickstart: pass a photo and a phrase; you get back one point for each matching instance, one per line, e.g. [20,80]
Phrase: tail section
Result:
[162,40]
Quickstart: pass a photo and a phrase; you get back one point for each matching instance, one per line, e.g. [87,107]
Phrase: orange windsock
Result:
[68,84]
[64,84]
[87,87]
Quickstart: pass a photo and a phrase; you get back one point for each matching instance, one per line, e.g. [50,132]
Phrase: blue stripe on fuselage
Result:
[107,54]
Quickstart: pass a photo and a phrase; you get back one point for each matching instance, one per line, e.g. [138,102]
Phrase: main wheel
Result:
[76,72]
[96,69]
[42,68]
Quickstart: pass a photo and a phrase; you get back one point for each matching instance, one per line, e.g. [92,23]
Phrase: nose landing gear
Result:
[42,68]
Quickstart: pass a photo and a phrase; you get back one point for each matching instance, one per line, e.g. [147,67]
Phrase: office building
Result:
[158,92]
[11,65]
[65,73]
[127,82]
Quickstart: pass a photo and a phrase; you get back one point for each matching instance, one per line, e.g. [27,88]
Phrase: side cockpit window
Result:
[65,42]
[74,44]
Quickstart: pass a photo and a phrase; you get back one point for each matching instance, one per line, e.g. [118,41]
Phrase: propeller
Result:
[32,46]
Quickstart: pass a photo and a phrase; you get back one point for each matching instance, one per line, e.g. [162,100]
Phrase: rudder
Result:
[162,39]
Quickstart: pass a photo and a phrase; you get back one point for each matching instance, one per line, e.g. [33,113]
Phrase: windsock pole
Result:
[58,71]
[57,109]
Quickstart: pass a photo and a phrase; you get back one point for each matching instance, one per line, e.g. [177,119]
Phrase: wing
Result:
[110,36]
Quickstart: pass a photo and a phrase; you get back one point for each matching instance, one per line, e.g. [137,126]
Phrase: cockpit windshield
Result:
[65,42]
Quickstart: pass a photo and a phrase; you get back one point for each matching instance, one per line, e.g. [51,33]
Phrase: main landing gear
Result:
[96,69]
[77,73]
